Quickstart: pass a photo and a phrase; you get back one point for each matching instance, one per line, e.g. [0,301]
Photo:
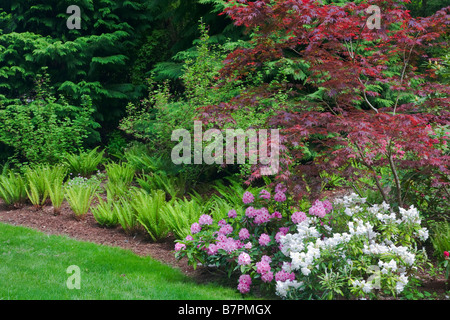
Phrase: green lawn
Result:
[33,266]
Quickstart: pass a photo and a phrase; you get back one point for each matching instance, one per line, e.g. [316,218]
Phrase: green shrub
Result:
[55,186]
[180,215]
[84,163]
[174,186]
[118,173]
[36,188]
[44,128]
[79,193]
[126,215]
[148,208]
[12,189]
[117,190]
[104,213]
[440,238]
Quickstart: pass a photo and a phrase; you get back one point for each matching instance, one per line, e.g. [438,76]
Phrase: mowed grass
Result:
[33,266]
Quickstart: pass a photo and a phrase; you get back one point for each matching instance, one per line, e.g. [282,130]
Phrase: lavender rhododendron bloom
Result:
[248,197]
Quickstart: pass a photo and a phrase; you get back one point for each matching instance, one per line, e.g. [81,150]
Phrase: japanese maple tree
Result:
[364,99]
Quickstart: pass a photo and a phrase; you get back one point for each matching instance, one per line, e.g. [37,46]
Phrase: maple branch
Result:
[405,65]
[365,95]
[383,194]
[396,178]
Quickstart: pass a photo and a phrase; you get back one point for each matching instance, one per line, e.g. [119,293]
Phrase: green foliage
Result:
[148,208]
[440,238]
[173,186]
[84,163]
[91,61]
[42,130]
[120,173]
[79,193]
[12,189]
[55,186]
[126,215]
[39,178]
[180,215]
[104,213]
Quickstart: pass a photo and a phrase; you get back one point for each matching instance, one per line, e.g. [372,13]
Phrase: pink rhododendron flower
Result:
[446,254]
[245,281]
[195,228]
[264,194]
[264,239]
[212,249]
[244,234]
[266,258]
[250,212]
[180,246]
[244,259]
[267,277]
[205,220]
[317,210]
[262,267]
[248,197]
[276,215]
[229,245]
[283,276]
[232,214]
[280,188]
[262,216]
[226,229]
[298,217]
[279,197]
[285,230]
[278,236]
[222,223]
[189,238]
[328,206]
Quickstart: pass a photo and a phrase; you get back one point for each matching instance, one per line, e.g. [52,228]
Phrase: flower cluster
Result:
[374,237]
[301,253]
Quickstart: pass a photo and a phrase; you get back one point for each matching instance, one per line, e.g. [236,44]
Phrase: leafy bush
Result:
[440,238]
[104,213]
[42,130]
[36,187]
[55,186]
[84,163]
[174,186]
[120,173]
[149,208]
[349,249]
[126,215]
[13,189]
[180,214]
[79,193]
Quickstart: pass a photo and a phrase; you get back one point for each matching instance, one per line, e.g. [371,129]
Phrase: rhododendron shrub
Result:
[364,251]
[346,248]
[245,241]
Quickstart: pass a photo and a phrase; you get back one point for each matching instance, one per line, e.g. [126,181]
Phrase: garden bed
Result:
[87,229]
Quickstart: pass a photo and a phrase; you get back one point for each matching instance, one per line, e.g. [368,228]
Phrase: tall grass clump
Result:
[149,212]
[84,163]
[13,189]
[54,182]
[120,173]
[104,213]
[180,215]
[126,215]
[79,193]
